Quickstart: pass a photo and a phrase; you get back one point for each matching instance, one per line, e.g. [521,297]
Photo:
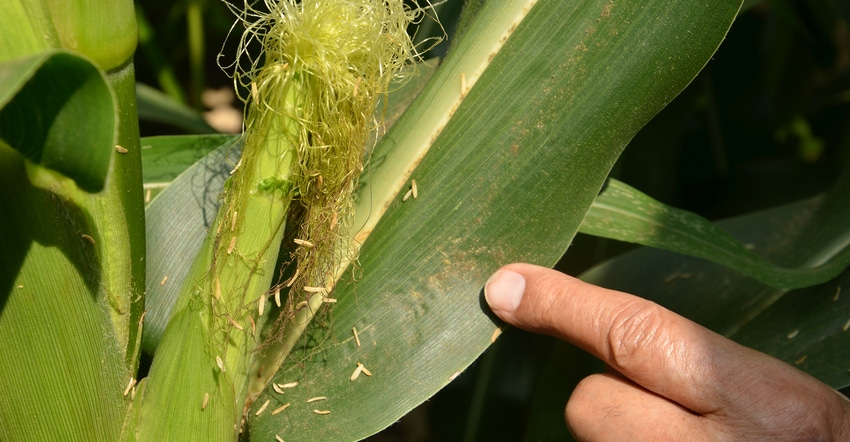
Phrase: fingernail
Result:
[503,291]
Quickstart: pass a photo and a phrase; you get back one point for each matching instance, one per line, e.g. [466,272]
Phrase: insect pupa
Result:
[234,323]
[281,408]
[356,338]
[205,401]
[261,307]
[129,386]
[263,408]
[463,89]
[364,369]
[356,373]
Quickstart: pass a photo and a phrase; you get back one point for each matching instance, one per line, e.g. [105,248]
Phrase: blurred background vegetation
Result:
[767,122]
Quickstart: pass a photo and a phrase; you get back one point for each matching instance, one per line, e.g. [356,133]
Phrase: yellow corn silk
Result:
[325,64]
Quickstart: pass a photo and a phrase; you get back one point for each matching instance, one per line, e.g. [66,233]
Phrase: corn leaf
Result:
[506,169]
[53,106]
[623,213]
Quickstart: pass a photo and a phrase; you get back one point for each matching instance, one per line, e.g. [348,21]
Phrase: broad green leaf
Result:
[556,89]
[805,233]
[58,111]
[212,414]
[625,214]
[62,369]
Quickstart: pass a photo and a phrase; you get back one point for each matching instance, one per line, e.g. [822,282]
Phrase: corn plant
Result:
[319,276]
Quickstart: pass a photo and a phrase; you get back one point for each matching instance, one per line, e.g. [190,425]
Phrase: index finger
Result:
[656,348]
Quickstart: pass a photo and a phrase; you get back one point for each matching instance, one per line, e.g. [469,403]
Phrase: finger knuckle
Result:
[638,330]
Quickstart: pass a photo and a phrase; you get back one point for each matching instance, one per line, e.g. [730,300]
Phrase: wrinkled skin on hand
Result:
[669,378]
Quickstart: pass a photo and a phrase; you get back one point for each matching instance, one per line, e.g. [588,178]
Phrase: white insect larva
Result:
[279,409]
[292,280]
[801,360]
[253,326]
[205,401]
[334,221]
[277,388]
[846,326]
[261,308]
[793,334]
[289,385]
[263,408]
[232,245]
[129,386]
[407,195]
[300,305]
[164,278]
[496,333]
[120,149]
[310,289]
[837,292]
[356,338]
[133,393]
[413,189]
[356,88]
[463,89]
[328,300]
[147,196]
[322,412]
[88,238]
[233,221]
[356,373]
[316,399]
[364,369]
[220,364]
[234,323]
[454,376]
[303,242]
[278,438]
[277,296]
[217,292]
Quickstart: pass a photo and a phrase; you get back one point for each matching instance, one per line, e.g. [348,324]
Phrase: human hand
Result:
[670,378]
